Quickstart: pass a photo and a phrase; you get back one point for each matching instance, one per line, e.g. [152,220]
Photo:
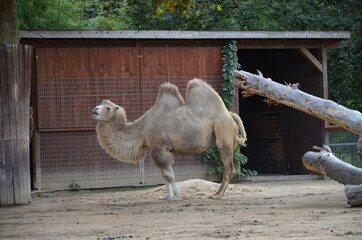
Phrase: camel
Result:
[170,127]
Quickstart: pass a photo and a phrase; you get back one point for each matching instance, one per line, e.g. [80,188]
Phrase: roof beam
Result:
[309,56]
[157,34]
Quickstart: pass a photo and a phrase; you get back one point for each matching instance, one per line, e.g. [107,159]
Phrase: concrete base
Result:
[278,178]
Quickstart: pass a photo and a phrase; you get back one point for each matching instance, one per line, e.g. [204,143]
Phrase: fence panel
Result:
[71,81]
[343,145]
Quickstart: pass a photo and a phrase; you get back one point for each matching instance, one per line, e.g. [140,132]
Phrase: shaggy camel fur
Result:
[172,126]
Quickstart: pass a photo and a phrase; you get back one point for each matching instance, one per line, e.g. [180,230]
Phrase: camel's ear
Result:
[116,108]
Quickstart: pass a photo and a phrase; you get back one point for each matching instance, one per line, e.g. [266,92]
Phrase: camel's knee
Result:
[168,175]
[161,158]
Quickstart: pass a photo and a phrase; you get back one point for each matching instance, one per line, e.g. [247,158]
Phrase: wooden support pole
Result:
[15,74]
[359,147]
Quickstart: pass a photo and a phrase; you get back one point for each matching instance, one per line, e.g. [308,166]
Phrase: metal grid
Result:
[68,145]
[279,135]
[68,102]
[343,145]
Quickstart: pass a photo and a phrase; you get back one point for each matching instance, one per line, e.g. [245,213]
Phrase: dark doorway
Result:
[278,136]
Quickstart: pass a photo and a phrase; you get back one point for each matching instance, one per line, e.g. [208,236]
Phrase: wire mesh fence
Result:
[69,150]
[343,145]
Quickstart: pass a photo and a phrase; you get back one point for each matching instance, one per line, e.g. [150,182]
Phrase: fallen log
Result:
[354,195]
[324,162]
[291,96]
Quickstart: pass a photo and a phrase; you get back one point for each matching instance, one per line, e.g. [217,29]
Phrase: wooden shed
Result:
[76,70]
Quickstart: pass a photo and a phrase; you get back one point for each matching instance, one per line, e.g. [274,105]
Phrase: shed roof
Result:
[187,35]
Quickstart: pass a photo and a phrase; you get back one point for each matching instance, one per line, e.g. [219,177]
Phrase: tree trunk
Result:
[9,22]
[354,195]
[291,96]
[324,162]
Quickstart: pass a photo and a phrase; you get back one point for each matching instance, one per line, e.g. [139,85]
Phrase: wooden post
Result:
[359,147]
[15,80]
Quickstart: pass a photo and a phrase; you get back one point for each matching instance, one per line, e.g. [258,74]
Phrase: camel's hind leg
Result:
[228,173]
[163,161]
[225,143]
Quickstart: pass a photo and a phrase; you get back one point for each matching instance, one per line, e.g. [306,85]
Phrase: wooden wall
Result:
[15,79]
[72,80]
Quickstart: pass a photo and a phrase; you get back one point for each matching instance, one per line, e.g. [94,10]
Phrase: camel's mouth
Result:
[95,114]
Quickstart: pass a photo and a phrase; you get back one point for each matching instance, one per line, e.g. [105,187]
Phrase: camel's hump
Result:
[169,95]
[168,88]
[196,82]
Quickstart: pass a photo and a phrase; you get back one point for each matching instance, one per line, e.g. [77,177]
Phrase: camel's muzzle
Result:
[95,113]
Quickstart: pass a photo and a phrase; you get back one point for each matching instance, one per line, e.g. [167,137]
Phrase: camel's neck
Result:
[123,142]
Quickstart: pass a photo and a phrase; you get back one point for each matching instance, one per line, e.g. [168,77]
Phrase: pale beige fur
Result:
[172,126]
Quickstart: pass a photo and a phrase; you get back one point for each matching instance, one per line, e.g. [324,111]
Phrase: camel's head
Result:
[108,111]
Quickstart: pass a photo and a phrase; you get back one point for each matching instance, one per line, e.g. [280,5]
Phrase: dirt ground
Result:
[273,210]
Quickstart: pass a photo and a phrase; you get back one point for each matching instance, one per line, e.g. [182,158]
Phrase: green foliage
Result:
[72,14]
[75,186]
[48,14]
[212,155]
[230,63]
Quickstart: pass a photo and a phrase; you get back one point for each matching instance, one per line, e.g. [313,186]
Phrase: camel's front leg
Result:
[170,180]
[162,160]
[167,196]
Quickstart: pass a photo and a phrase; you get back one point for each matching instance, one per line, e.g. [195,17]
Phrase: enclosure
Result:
[274,210]
[75,70]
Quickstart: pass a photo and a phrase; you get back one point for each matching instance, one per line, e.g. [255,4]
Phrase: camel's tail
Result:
[240,124]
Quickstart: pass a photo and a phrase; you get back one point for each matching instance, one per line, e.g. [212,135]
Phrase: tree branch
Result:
[291,96]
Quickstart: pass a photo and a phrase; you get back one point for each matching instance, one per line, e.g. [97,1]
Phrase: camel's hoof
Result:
[216,196]
[165,197]
[176,198]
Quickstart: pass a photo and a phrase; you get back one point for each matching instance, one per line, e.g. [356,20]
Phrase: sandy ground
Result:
[274,210]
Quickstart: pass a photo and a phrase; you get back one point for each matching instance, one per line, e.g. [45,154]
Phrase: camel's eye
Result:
[108,108]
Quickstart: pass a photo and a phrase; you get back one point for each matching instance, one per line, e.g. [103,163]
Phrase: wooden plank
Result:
[287,44]
[334,128]
[158,34]
[325,72]
[4,129]
[15,98]
[25,89]
[15,103]
[82,78]
[36,161]
[8,127]
[310,57]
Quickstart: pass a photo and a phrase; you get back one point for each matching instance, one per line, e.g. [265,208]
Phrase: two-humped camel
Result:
[172,126]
